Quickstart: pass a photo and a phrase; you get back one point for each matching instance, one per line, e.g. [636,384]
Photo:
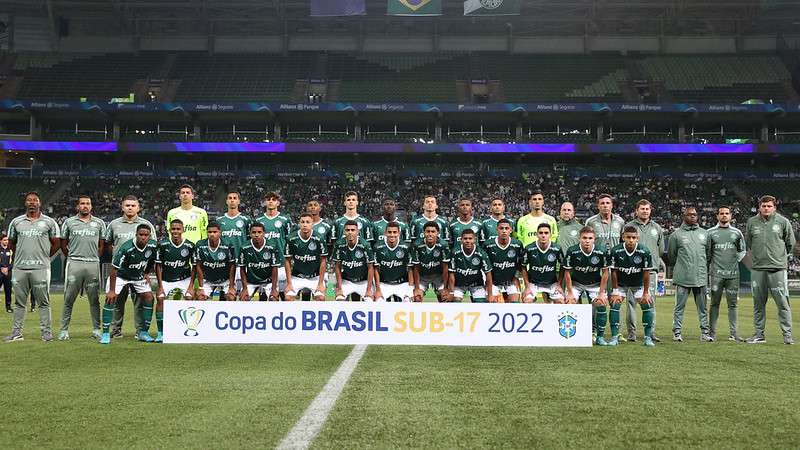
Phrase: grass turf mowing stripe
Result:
[306,429]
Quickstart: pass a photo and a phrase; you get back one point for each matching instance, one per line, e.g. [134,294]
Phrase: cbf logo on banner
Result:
[190,322]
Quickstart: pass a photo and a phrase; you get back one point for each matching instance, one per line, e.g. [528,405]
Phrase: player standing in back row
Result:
[119,231]
[276,228]
[528,225]
[34,240]
[466,220]
[726,248]
[195,220]
[497,213]
[365,231]
[429,214]
[82,244]
[771,239]
[388,216]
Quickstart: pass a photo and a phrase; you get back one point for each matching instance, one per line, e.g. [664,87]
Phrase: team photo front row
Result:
[608,262]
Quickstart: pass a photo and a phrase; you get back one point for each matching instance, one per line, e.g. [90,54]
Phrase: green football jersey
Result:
[630,266]
[258,262]
[175,260]
[430,259]
[469,268]
[276,229]
[585,268]
[379,228]
[84,237]
[457,227]
[235,231]
[418,229]
[726,249]
[323,230]
[355,260]
[393,263]
[305,255]
[365,232]
[32,238]
[542,265]
[133,262]
[215,262]
[489,227]
[505,260]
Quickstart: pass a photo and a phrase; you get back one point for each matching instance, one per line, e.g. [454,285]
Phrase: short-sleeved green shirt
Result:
[133,262]
[542,265]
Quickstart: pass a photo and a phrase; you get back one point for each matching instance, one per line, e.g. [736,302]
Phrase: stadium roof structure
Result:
[538,17]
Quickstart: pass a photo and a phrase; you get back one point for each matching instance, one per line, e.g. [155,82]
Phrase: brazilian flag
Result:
[414,7]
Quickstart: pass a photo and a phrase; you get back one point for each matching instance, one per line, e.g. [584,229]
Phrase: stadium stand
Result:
[714,78]
[425,78]
[239,77]
[96,77]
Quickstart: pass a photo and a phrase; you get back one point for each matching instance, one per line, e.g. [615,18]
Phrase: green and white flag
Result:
[492,7]
[414,7]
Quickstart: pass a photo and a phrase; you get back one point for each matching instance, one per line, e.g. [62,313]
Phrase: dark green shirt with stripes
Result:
[393,262]
[542,265]
[489,227]
[630,266]
[258,262]
[215,262]
[133,262]
[354,260]
[430,259]
[276,230]
[365,231]
[305,255]
[469,268]
[175,260]
[84,237]
[457,227]
[418,229]
[505,260]
[585,268]
[323,230]
[379,227]
[235,231]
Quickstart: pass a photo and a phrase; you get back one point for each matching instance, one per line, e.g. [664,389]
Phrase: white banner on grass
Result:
[518,325]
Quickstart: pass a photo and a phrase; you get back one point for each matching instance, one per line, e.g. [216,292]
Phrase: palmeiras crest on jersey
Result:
[567,325]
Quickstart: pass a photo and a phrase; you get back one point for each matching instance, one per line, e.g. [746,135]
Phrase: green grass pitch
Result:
[79,394]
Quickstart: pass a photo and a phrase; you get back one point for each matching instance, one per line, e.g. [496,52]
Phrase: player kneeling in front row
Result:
[540,268]
[258,265]
[431,261]
[215,266]
[354,269]
[174,271]
[131,267]
[586,272]
[306,259]
[630,277]
[470,271]
[394,277]
[505,254]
